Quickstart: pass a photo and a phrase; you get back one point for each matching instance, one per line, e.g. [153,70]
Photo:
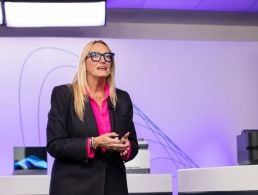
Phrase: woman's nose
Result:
[102,59]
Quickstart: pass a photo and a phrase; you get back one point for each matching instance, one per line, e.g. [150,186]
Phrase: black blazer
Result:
[73,173]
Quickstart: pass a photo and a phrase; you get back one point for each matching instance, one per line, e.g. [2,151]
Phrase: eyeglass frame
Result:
[101,54]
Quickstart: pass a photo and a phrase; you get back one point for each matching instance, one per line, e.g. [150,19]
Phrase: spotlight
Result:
[1,13]
[55,13]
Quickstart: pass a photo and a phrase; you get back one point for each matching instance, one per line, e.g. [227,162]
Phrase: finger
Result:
[112,134]
[123,153]
[119,147]
[126,143]
[125,136]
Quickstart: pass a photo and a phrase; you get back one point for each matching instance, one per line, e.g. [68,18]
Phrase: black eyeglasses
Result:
[96,56]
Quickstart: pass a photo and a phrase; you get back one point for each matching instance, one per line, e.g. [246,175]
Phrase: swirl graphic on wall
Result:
[46,67]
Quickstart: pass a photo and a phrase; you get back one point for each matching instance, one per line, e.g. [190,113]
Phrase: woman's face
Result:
[99,61]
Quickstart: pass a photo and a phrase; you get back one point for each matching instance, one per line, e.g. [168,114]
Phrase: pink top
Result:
[102,120]
[102,114]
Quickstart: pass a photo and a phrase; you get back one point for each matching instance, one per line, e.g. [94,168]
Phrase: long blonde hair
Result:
[79,84]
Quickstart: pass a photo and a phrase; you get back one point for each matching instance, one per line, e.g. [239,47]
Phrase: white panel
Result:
[230,178]
[149,183]
[54,14]
[141,161]
[39,184]
[24,185]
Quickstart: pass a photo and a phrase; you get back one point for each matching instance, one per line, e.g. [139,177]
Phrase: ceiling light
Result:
[1,13]
[55,14]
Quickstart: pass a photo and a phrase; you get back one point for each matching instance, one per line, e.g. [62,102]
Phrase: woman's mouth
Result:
[102,68]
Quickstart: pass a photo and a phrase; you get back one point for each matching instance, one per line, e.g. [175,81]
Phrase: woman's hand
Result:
[124,140]
[110,141]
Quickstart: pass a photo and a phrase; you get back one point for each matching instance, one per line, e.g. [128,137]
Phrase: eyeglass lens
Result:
[96,56]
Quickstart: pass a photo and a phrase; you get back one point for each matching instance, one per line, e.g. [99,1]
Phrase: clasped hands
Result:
[111,141]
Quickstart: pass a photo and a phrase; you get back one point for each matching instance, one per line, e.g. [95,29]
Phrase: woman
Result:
[90,130]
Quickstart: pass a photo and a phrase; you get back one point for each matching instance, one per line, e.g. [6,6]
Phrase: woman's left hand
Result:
[125,141]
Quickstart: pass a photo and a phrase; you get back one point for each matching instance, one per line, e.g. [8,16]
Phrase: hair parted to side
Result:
[79,84]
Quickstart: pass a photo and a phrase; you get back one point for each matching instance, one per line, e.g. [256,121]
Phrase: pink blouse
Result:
[102,120]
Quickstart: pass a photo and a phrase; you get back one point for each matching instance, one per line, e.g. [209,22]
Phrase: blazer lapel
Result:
[90,120]
[112,115]
[91,123]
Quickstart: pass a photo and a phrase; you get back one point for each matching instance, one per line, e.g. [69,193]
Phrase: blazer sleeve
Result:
[133,136]
[60,144]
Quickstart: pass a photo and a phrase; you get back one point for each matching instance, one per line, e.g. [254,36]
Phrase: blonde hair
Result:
[79,84]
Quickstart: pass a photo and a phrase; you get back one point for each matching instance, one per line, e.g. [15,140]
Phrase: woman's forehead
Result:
[99,47]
